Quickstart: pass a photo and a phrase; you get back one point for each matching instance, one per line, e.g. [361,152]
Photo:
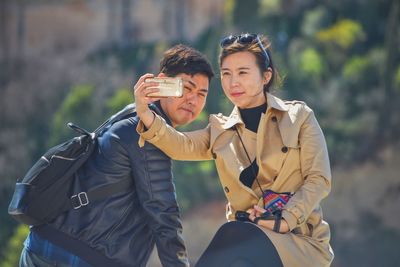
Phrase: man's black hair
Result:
[185,59]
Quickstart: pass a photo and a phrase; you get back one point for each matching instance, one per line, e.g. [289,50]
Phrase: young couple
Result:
[265,144]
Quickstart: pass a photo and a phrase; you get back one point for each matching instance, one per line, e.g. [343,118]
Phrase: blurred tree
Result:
[119,100]
[313,21]
[4,42]
[343,34]
[11,59]
[397,79]
[21,29]
[387,122]
[127,27]
[180,10]
[269,7]
[341,57]
[208,43]
[78,107]
[14,246]
[338,39]
[245,15]
[311,64]
[111,23]
[196,183]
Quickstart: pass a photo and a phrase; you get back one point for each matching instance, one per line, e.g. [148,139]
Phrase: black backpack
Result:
[46,191]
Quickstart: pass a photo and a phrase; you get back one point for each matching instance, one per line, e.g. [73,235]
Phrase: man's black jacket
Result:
[122,229]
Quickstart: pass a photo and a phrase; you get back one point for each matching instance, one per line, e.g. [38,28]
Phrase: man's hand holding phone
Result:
[149,89]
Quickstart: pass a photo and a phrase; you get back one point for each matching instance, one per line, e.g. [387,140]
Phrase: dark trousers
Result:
[240,244]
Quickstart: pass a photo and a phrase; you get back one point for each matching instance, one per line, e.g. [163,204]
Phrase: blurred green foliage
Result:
[341,57]
[119,100]
[13,247]
[397,79]
[344,34]
[78,107]
[311,63]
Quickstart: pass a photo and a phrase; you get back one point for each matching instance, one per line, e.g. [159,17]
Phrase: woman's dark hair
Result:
[261,60]
[185,59]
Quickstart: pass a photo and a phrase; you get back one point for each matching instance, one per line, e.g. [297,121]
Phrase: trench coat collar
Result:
[235,118]
[276,103]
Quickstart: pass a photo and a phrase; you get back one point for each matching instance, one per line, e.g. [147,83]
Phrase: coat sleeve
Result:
[193,145]
[152,172]
[315,168]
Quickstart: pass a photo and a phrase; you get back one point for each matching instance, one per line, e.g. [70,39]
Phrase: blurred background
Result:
[75,60]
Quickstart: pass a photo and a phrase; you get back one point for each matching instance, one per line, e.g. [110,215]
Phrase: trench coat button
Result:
[226,189]
[274,119]
[300,220]
[284,149]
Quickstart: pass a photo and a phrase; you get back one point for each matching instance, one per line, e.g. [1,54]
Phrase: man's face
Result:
[185,109]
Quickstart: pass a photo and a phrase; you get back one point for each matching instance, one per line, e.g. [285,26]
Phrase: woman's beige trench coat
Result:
[291,153]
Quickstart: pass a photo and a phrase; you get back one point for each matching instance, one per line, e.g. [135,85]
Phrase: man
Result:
[122,229]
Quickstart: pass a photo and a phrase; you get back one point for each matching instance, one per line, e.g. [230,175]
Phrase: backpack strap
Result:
[129,109]
[83,198]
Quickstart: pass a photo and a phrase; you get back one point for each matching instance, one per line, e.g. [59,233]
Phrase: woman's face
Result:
[242,80]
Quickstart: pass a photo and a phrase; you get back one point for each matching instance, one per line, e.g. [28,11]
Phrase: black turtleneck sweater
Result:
[251,118]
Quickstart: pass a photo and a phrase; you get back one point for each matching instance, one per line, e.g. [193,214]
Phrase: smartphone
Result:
[169,86]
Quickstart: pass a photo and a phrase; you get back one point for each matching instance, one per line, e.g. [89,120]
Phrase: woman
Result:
[265,144]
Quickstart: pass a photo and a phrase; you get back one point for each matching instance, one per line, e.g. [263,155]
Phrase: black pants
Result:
[240,244]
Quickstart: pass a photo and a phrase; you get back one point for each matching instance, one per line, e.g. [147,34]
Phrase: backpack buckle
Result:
[79,200]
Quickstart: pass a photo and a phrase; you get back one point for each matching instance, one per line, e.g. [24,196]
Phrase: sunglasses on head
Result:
[246,38]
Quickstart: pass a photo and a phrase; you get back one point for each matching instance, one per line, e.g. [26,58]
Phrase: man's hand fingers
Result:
[143,78]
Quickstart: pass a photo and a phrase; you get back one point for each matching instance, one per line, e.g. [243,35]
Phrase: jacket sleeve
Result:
[151,169]
[193,145]
[315,168]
